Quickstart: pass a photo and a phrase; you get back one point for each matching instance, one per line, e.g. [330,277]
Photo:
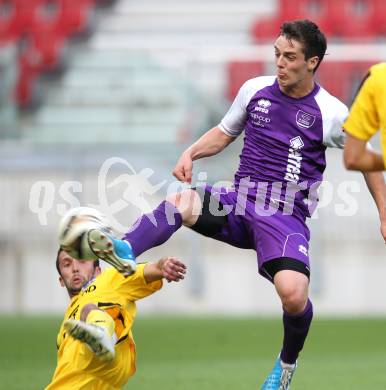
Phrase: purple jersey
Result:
[285,139]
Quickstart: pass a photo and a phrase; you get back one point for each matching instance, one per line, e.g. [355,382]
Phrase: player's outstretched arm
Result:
[169,268]
[358,157]
[211,143]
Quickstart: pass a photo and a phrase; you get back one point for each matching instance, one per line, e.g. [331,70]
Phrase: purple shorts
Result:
[272,236]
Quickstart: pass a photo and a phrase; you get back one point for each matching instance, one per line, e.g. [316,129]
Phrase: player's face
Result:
[293,70]
[74,273]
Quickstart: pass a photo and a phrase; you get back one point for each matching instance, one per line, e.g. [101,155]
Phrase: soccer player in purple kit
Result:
[288,121]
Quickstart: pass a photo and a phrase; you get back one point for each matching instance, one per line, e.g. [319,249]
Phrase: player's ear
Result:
[312,63]
[97,271]
[61,281]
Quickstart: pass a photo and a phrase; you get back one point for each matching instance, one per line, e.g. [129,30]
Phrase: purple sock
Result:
[295,332]
[154,229]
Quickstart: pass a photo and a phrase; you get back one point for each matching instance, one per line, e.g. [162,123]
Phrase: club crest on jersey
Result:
[304,119]
[263,105]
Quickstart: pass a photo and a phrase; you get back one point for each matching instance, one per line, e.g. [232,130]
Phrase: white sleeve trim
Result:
[334,114]
[228,132]
[234,120]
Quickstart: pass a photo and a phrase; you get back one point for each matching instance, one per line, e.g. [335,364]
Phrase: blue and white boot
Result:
[117,253]
[280,377]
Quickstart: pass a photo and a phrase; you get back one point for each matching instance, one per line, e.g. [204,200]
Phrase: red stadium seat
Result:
[241,71]
[43,52]
[379,16]
[319,12]
[342,78]
[25,87]
[20,17]
[344,19]
[42,26]
[25,14]
[46,39]
[76,16]
[46,16]
[15,17]
[50,50]
[27,80]
[351,19]
[294,9]
[267,29]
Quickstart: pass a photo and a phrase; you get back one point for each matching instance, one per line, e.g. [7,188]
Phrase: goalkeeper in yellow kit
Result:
[96,350]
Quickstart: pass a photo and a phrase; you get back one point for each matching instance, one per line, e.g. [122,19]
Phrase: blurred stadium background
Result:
[82,81]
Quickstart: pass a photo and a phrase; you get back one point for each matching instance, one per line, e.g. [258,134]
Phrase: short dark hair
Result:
[96,262]
[307,33]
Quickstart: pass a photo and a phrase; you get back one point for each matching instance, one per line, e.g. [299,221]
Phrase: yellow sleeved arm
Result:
[135,286]
[363,120]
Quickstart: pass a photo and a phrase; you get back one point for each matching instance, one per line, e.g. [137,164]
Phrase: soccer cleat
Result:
[95,337]
[117,253]
[280,377]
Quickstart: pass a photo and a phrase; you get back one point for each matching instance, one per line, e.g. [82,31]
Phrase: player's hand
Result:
[172,269]
[183,169]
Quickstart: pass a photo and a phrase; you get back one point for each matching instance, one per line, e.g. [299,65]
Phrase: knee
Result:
[188,203]
[174,199]
[182,199]
[86,309]
[294,300]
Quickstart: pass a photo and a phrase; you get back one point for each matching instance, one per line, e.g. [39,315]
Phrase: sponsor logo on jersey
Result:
[296,143]
[259,120]
[294,162]
[305,120]
[263,105]
[303,249]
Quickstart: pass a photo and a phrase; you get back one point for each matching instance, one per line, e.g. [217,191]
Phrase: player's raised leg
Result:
[150,230]
[95,329]
[292,287]
[157,227]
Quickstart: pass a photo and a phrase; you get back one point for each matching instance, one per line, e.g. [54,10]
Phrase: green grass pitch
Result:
[221,353]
